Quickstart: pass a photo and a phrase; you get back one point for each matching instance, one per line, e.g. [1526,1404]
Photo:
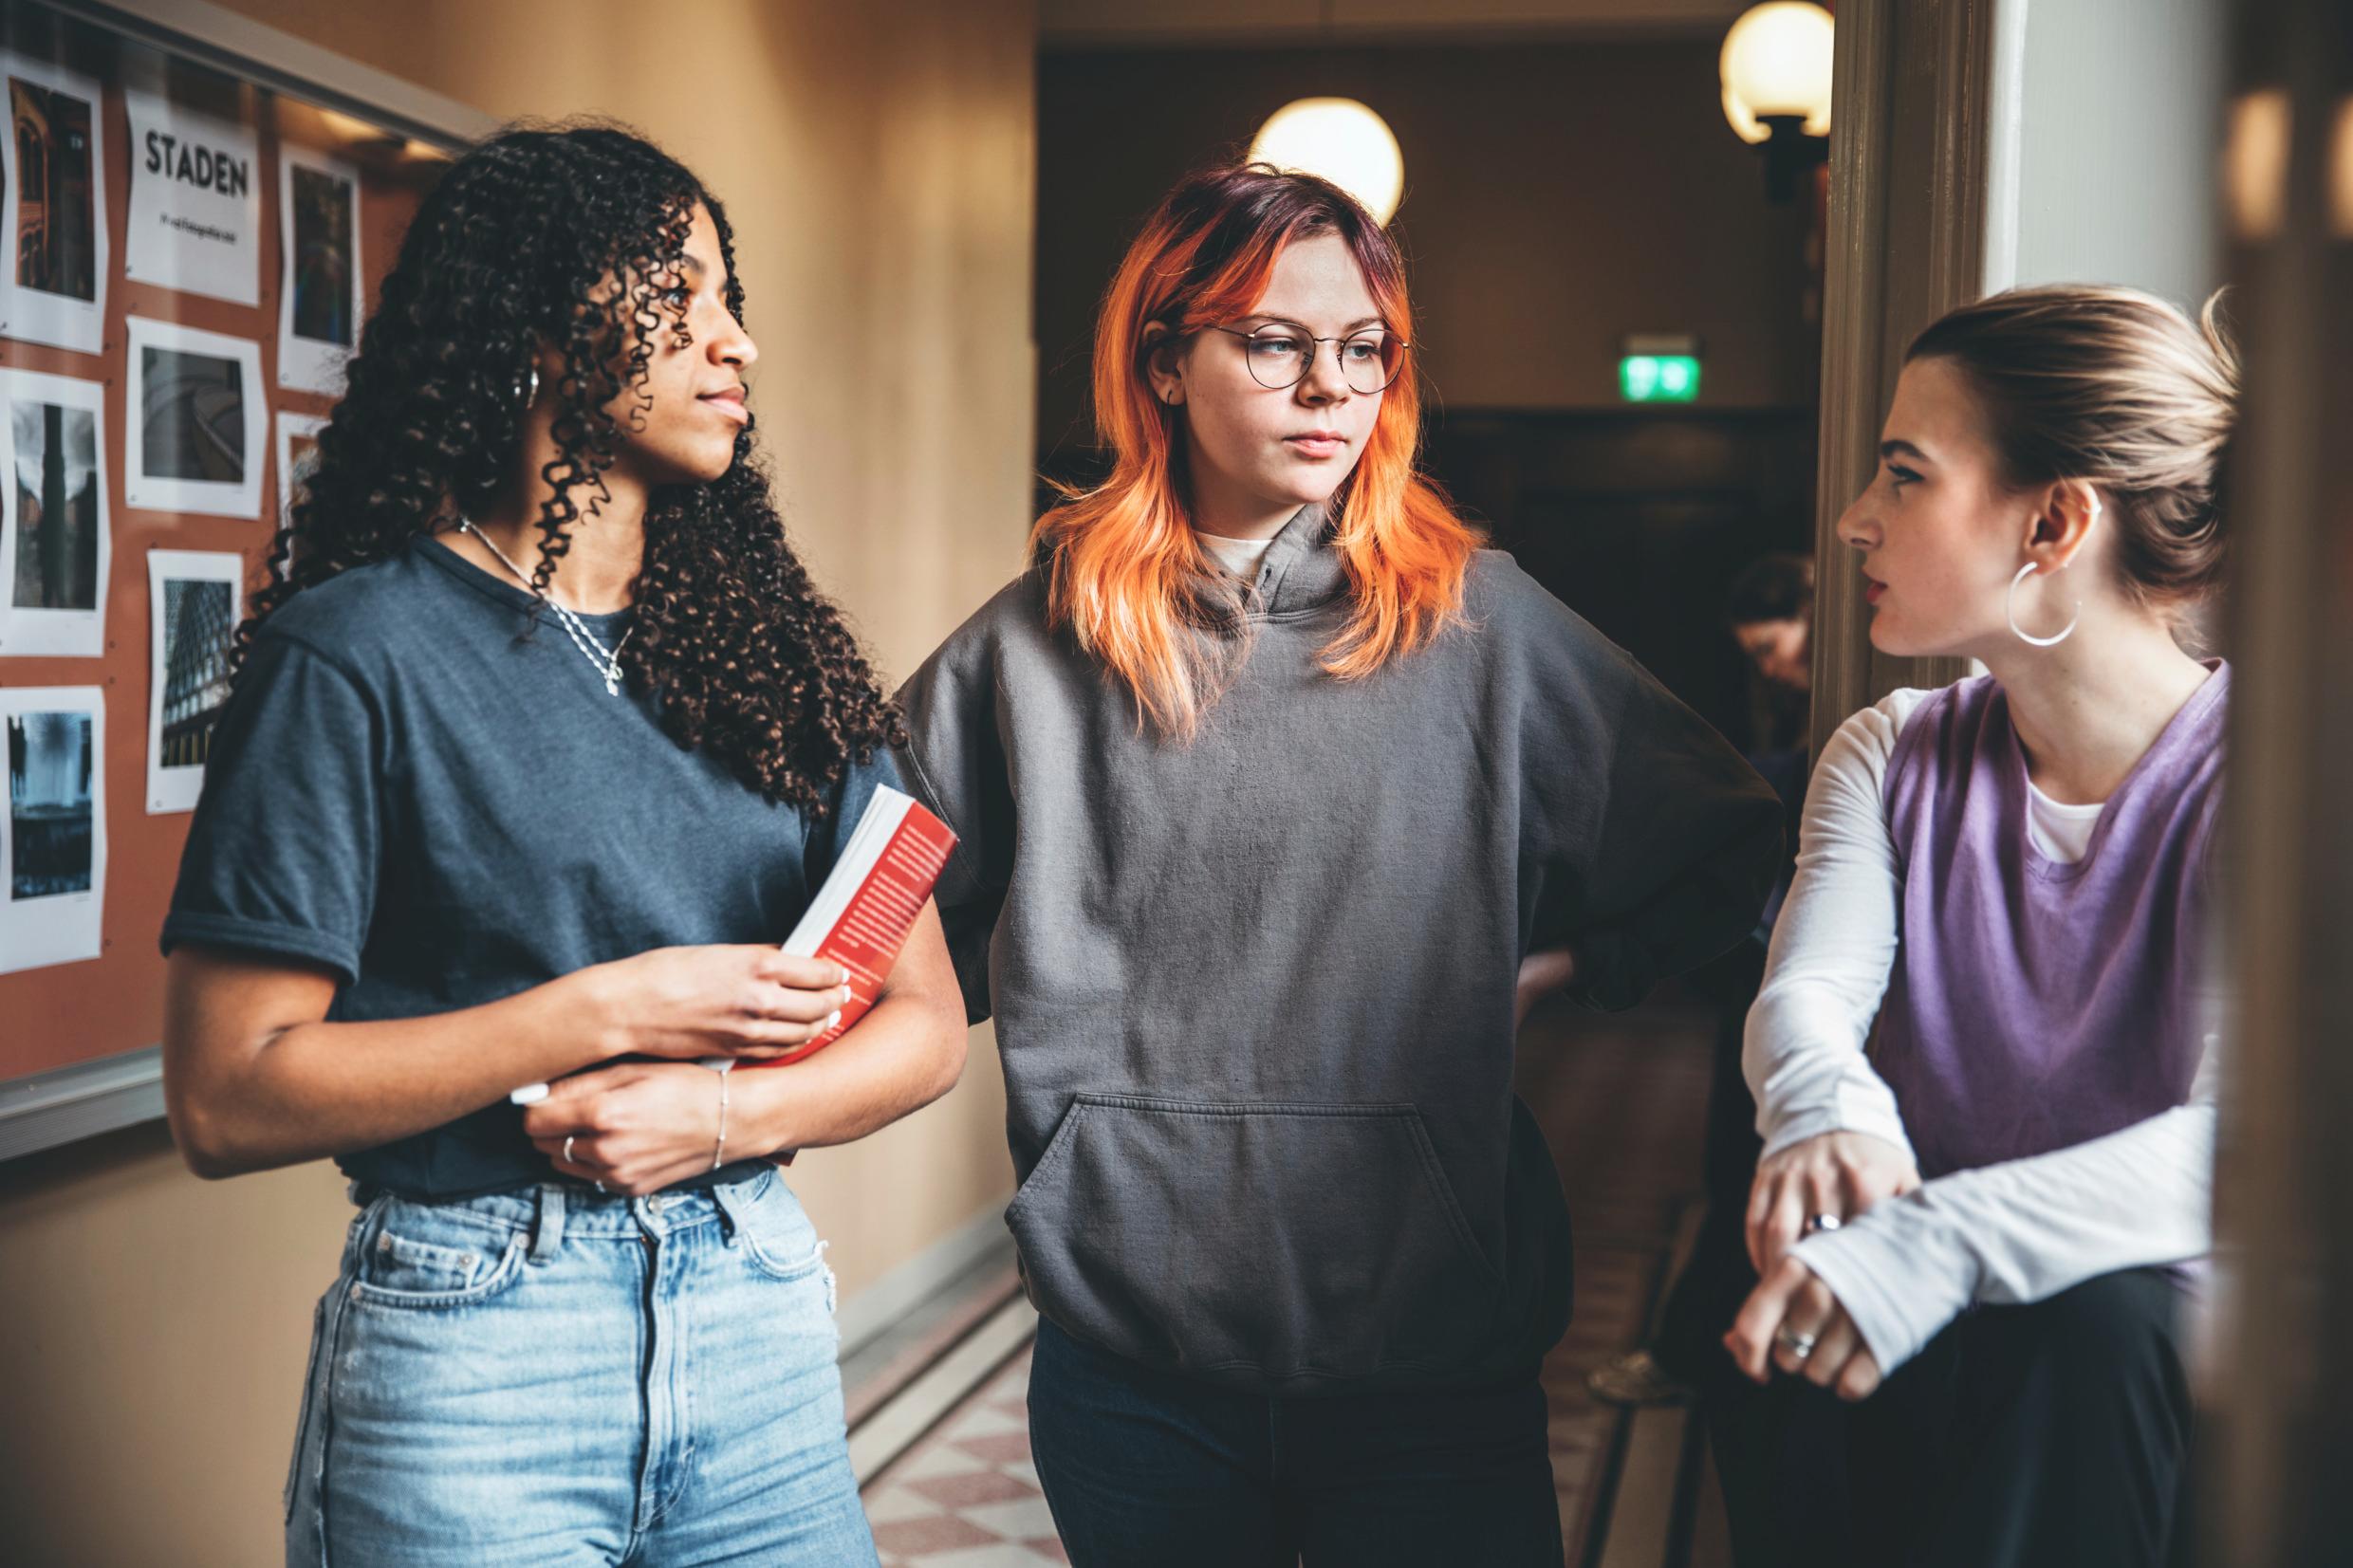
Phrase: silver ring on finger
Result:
[1799,1345]
[1822,1222]
[567,1147]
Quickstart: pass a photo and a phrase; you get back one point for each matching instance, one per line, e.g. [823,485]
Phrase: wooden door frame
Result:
[2278,1411]
[2283,1399]
[1922,217]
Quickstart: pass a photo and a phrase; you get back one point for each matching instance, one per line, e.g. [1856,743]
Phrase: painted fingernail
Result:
[847,995]
[835,1019]
[845,977]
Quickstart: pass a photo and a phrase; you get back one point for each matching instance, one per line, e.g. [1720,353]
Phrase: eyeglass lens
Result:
[1279,355]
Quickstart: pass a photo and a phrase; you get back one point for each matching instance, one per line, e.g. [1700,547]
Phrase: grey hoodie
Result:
[1255,994]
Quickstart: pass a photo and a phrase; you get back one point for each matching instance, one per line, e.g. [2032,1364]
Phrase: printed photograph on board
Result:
[56,191]
[192,606]
[319,306]
[298,453]
[52,826]
[324,258]
[51,817]
[54,541]
[196,421]
[193,412]
[57,521]
[53,288]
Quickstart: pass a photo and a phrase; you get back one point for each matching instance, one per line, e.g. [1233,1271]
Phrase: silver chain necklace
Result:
[606,661]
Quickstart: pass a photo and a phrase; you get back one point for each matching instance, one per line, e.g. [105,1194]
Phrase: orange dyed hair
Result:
[1124,561]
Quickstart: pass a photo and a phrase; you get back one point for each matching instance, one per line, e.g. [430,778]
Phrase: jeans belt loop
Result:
[548,1230]
[722,1205]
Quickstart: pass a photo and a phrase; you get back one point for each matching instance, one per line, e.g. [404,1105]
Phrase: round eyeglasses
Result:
[1280,354]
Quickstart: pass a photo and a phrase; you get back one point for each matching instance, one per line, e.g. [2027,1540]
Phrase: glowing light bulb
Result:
[1777,60]
[1339,140]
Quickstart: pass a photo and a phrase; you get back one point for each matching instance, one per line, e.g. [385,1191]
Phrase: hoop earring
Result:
[527,388]
[2010,608]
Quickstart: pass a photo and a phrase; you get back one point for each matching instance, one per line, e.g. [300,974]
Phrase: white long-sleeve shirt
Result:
[2016,1231]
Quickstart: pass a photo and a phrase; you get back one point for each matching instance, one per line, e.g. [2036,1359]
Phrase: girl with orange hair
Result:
[1279,800]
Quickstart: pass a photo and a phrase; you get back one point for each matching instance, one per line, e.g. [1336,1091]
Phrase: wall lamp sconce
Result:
[1775,69]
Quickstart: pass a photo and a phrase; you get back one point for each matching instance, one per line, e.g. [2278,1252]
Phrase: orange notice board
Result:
[187,255]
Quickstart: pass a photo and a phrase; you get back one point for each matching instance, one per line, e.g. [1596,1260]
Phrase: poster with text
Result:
[196,217]
[56,537]
[319,297]
[53,208]
[196,421]
[52,826]
[193,600]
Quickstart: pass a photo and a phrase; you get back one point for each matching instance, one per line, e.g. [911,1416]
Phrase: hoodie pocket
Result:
[1281,1243]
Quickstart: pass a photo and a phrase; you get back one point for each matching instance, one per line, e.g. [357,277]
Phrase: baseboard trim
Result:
[873,1311]
[895,1427]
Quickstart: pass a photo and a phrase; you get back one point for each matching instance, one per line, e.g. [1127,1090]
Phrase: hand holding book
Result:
[860,917]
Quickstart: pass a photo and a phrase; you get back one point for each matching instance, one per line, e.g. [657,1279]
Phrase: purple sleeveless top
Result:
[2036,1005]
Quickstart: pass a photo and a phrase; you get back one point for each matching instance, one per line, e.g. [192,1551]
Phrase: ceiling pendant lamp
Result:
[1339,140]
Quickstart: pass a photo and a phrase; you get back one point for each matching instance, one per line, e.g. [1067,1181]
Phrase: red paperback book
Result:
[861,917]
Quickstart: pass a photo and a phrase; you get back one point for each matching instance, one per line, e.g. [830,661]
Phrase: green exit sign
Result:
[1659,377]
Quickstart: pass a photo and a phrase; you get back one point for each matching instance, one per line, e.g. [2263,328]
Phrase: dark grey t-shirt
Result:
[409,791]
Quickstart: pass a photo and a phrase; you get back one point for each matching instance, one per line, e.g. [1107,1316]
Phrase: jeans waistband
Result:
[553,1211]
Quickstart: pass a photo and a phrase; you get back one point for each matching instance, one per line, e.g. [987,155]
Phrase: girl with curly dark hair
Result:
[539,748]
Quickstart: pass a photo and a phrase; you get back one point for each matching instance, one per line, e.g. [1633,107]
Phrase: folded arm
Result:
[2026,1229]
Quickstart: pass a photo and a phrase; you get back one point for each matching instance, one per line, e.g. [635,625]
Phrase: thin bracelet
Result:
[719,1154]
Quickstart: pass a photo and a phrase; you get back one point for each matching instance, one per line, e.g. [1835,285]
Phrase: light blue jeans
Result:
[553,1376]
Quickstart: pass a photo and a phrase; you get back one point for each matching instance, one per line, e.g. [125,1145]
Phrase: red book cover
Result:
[861,917]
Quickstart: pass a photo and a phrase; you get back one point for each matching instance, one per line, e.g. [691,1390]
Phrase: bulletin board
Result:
[187,252]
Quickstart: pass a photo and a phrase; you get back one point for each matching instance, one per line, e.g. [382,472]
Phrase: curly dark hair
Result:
[513,250]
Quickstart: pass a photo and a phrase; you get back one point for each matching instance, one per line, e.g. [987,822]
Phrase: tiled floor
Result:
[964,1496]
[1620,1100]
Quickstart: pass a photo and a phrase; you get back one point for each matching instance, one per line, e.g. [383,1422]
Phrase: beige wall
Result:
[2109,198]
[880,173]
